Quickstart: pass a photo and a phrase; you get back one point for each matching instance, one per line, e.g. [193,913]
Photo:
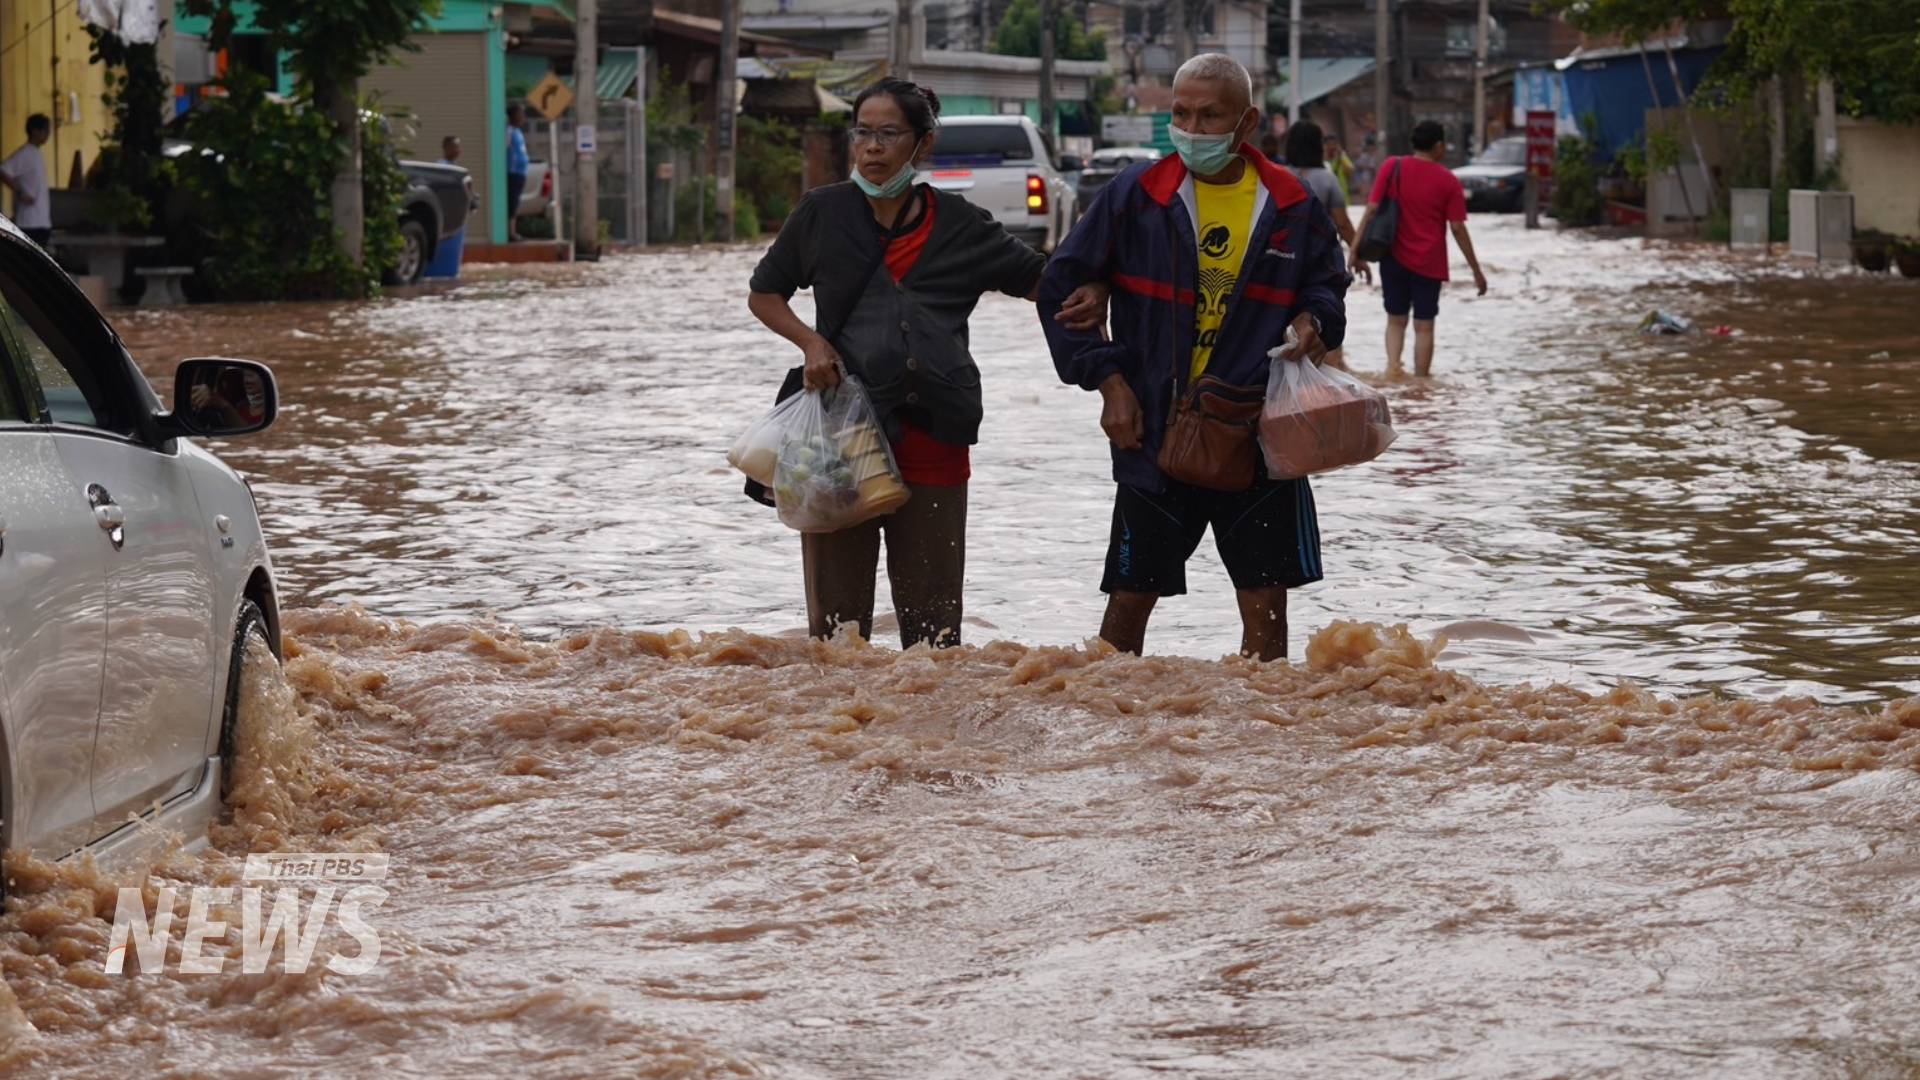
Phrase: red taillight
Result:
[546,185]
[1036,195]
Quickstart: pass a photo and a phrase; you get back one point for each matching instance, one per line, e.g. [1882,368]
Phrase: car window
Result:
[70,390]
[1006,141]
[12,411]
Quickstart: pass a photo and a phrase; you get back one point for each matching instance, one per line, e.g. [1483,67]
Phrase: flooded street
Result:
[1736,513]
[1647,810]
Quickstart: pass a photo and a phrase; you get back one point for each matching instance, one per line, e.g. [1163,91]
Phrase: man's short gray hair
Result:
[1218,67]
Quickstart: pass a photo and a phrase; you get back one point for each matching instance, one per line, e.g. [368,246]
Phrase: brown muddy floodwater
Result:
[1648,810]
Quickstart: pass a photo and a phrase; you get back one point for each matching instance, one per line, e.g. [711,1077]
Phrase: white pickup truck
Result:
[1001,164]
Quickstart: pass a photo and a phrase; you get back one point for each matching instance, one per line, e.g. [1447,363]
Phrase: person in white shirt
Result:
[25,171]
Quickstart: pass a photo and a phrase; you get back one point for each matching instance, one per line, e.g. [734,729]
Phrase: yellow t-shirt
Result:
[1226,217]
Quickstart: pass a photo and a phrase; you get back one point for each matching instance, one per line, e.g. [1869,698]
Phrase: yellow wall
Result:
[33,33]
[1878,163]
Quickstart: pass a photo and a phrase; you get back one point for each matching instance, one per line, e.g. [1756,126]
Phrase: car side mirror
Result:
[220,398]
[1071,163]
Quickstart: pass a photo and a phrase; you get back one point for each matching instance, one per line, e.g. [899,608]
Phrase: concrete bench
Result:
[163,285]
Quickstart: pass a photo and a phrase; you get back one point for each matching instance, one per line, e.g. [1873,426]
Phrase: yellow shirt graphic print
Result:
[1226,217]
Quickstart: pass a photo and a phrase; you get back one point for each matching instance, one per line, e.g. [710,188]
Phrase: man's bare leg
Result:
[1396,340]
[1423,347]
[1125,624]
[1263,622]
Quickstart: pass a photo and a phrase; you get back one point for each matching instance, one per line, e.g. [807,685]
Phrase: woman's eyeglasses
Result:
[881,137]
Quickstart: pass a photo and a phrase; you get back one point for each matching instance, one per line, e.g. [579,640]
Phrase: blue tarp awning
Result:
[1613,90]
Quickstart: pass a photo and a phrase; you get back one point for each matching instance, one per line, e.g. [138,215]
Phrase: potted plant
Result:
[1906,255]
[1871,250]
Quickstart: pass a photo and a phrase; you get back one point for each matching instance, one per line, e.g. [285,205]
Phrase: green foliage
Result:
[1576,183]
[1019,34]
[670,124]
[1633,162]
[329,46]
[1871,48]
[383,188]
[767,170]
[131,182]
[1663,148]
[261,184]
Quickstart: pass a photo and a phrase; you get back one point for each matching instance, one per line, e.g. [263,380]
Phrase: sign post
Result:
[550,99]
[1541,128]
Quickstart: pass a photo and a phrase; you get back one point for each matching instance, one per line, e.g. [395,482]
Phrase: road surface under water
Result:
[1651,811]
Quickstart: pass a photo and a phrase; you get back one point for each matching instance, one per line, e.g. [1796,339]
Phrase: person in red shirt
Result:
[1431,203]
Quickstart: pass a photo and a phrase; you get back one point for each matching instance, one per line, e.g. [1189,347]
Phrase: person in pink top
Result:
[1431,203]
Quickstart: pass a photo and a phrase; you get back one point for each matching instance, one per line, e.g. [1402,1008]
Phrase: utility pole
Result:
[1049,12]
[1480,79]
[586,113]
[1293,64]
[903,40]
[723,116]
[1826,130]
[1382,79]
[1182,32]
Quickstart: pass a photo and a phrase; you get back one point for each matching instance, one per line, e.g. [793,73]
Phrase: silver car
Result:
[134,580]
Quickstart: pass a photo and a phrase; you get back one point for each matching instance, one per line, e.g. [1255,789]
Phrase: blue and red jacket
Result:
[1139,236]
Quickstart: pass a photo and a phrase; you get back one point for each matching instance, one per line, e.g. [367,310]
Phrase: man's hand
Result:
[1306,344]
[23,197]
[1086,309]
[1362,270]
[823,365]
[1480,281]
[1120,413]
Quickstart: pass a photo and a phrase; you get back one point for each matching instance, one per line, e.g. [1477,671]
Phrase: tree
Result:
[331,47]
[1019,35]
[1870,48]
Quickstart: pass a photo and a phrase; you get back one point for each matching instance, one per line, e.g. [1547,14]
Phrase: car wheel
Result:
[412,264]
[252,648]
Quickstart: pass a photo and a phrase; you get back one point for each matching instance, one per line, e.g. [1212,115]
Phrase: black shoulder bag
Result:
[796,377]
[1377,244]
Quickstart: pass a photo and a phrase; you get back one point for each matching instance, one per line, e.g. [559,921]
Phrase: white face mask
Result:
[895,186]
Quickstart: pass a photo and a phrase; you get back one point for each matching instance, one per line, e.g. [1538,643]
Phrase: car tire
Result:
[412,265]
[249,629]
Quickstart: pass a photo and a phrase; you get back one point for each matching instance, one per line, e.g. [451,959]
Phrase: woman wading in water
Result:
[897,268]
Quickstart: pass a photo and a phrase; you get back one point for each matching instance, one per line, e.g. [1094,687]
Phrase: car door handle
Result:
[108,514]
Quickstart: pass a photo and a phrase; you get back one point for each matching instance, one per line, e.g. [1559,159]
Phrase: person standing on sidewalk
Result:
[25,171]
[1431,202]
[1213,254]
[517,165]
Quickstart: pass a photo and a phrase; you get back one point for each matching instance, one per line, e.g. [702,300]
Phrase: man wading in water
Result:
[1212,255]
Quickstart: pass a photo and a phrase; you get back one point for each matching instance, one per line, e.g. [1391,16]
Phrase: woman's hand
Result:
[1086,308]
[823,364]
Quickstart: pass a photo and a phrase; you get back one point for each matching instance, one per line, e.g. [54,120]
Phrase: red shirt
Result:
[923,459]
[1429,196]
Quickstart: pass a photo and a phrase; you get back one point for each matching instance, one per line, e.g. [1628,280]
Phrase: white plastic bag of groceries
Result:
[757,449]
[1318,418]
[835,469]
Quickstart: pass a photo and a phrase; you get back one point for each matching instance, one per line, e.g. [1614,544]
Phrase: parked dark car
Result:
[1106,164]
[1497,179]
[438,200]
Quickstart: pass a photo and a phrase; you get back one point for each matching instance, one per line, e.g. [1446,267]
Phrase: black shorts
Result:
[1268,536]
[1408,290]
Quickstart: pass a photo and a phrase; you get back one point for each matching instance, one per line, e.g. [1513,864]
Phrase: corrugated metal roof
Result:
[614,78]
[1320,76]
